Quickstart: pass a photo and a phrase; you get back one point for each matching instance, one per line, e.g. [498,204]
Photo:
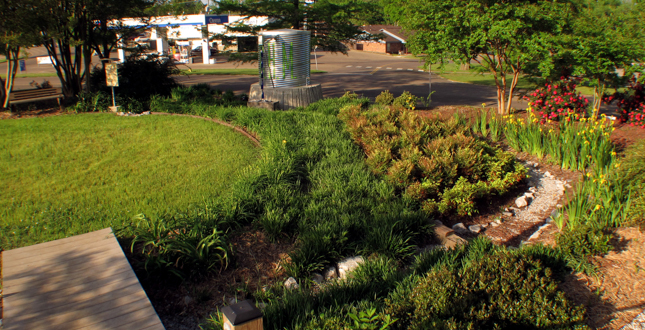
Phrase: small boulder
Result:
[521,202]
[347,265]
[548,174]
[529,195]
[475,228]
[318,278]
[291,283]
[330,273]
[494,224]
[507,214]
[533,189]
[460,228]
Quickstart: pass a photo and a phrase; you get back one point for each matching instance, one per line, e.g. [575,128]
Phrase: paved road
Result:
[364,73]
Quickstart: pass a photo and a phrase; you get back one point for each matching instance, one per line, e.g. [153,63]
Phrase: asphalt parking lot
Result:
[361,72]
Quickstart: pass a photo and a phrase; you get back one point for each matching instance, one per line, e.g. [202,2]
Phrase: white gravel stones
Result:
[548,192]
[637,324]
[521,202]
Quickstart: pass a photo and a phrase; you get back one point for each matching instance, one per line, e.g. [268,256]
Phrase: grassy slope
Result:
[72,174]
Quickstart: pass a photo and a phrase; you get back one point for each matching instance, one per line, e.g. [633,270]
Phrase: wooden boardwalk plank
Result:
[80,282]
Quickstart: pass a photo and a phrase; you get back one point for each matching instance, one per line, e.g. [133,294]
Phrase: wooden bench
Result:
[36,94]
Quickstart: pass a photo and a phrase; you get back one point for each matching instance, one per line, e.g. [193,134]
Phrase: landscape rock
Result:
[330,273]
[548,174]
[529,195]
[460,228]
[507,214]
[521,202]
[475,228]
[318,278]
[494,224]
[347,265]
[291,283]
[533,189]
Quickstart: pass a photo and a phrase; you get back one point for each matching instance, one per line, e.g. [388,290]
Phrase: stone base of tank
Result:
[288,97]
[264,104]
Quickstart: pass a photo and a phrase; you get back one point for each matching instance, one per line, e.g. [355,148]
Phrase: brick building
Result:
[393,41]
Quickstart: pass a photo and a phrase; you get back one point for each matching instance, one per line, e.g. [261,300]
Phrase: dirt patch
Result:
[256,264]
[616,295]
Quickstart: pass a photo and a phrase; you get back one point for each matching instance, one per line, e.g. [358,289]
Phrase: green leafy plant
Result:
[406,100]
[370,320]
[385,98]
[436,163]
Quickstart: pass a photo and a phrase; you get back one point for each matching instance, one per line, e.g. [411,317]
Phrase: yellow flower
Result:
[284,141]
[588,174]
[483,105]
[598,207]
[613,153]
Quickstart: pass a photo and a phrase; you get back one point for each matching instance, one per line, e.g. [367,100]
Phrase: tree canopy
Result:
[331,22]
[502,36]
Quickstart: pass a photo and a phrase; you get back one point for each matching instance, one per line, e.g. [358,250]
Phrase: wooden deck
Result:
[80,282]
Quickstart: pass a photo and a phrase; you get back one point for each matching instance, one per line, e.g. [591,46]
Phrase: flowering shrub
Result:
[631,104]
[556,100]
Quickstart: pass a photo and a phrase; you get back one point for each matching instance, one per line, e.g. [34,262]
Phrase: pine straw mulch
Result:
[616,295]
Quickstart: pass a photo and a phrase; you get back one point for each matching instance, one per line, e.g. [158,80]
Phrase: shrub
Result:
[631,103]
[500,291]
[557,100]
[435,163]
[406,100]
[385,98]
[91,102]
[139,80]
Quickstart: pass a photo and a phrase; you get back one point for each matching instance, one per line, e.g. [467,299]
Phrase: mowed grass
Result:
[72,174]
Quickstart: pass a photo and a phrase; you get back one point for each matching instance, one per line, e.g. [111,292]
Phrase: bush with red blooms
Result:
[557,100]
[631,103]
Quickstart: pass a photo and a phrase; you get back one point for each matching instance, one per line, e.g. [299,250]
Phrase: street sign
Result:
[216,19]
[23,65]
[111,75]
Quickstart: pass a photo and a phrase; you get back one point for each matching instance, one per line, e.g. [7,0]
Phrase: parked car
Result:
[197,51]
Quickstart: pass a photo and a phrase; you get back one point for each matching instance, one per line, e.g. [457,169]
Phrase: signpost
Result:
[112,80]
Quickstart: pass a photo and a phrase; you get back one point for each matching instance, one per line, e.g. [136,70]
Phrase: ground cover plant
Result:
[472,286]
[436,163]
[312,185]
[67,175]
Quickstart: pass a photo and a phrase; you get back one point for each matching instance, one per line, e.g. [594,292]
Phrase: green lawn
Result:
[67,175]
[229,71]
[32,75]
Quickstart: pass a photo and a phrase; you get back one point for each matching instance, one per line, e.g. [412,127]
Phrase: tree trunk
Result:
[516,75]
[12,65]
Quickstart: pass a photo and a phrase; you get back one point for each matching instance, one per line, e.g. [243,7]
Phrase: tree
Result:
[16,32]
[606,37]
[330,22]
[504,37]
[71,29]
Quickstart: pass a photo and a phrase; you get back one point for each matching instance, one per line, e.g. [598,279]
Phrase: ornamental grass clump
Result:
[574,143]
[557,100]
[436,163]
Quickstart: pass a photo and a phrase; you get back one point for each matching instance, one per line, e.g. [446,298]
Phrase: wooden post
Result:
[242,316]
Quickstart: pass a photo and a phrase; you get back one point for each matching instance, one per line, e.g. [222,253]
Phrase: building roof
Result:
[392,33]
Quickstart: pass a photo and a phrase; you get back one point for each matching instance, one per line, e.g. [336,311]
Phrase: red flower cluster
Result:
[631,103]
[557,100]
